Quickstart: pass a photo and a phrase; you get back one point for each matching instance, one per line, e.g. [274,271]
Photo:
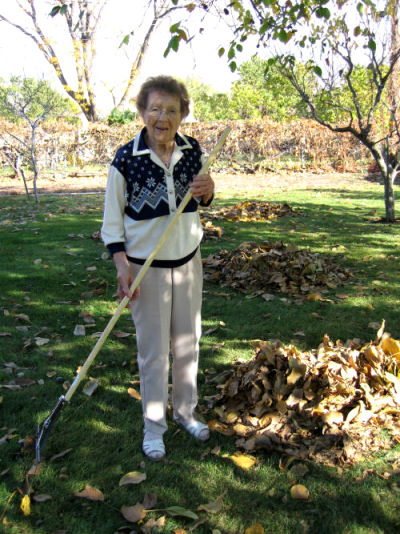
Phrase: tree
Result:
[32,101]
[337,36]
[263,92]
[81,19]
[372,116]
[208,104]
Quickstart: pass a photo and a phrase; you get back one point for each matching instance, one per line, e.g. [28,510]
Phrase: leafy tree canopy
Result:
[32,100]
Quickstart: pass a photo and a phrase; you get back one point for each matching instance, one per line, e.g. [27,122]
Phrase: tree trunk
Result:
[389,197]
[34,165]
[394,48]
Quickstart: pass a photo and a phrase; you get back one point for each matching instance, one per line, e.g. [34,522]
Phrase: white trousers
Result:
[167,318]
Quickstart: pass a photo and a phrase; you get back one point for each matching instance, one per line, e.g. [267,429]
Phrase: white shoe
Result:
[154,449]
[196,429]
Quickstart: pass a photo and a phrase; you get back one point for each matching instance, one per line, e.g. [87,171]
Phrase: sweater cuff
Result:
[206,204]
[113,248]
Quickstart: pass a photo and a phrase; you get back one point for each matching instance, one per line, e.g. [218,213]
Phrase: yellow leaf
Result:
[314,296]
[134,394]
[299,492]
[134,477]
[255,529]
[26,505]
[391,346]
[244,461]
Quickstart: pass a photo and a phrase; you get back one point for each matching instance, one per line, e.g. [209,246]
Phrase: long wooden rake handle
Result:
[139,277]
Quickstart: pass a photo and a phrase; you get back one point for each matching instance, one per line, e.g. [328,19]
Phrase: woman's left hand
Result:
[202,187]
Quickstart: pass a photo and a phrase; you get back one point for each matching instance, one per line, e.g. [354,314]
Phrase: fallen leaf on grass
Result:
[213,507]
[91,387]
[181,512]
[90,493]
[134,394]
[35,470]
[60,455]
[133,514]
[41,497]
[153,525]
[244,461]
[22,317]
[24,382]
[299,492]
[79,330]
[150,501]
[87,317]
[134,477]
[298,470]
[392,347]
[26,505]
[41,341]
[121,335]
[255,529]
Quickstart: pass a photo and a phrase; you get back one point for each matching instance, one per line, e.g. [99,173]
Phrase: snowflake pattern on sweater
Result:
[147,191]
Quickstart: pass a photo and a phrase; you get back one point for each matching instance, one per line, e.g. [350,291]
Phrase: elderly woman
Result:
[147,180]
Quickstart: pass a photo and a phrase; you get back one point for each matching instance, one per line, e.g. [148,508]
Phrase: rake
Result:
[44,428]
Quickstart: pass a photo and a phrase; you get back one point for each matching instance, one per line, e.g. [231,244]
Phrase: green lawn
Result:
[53,274]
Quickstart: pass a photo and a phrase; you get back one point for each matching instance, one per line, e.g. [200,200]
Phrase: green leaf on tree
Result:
[372,45]
[55,11]
[318,70]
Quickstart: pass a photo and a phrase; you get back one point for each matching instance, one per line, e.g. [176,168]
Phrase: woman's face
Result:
[162,117]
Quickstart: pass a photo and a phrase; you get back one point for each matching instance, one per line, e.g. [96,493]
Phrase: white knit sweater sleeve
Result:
[112,230]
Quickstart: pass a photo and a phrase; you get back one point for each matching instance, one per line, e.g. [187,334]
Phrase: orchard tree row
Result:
[338,57]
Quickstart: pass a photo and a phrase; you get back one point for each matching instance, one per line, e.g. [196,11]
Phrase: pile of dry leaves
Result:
[256,268]
[251,211]
[330,404]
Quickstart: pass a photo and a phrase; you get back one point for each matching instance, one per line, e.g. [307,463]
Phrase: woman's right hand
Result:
[124,277]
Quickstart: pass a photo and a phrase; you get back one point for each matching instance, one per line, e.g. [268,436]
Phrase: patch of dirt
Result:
[85,182]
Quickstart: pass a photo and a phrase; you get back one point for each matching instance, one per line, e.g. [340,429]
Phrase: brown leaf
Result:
[120,334]
[153,525]
[60,455]
[90,493]
[150,501]
[213,507]
[35,470]
[133,514]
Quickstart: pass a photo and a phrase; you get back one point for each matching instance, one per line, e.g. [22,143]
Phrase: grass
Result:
[47,280]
